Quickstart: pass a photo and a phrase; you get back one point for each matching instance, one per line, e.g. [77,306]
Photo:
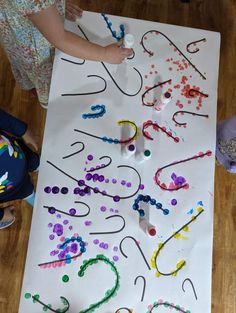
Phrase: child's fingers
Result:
[74,9]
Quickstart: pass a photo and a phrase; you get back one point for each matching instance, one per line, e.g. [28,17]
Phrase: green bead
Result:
[65,278]
[27,295]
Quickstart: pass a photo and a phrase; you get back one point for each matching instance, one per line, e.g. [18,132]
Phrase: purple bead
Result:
[111,210]
[88,176]
[55,189]
[104,192]
[81,182]
[50,224]
[131,148]
[173,201]
[82,193]
[141,187]
[87,189]
[90,157]
[103,208]
[116,198]
[64,190]
[72,211]
[107,180]
[65,222]
[96,190]
[47,189]
[51,210]
[180,180]
[58,229]
[101,178]
[128,185]
[105,246]
[101,245]
[70,227]
[115,258]
[87,223]
[61,255]
[96,241]
[74,247]
[95,177]
[115,248]
[114,181]
[123,182]
[76,190]
[51,237]
[58,215]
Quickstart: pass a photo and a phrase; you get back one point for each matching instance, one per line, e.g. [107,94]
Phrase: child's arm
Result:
[49,23]
[12,125]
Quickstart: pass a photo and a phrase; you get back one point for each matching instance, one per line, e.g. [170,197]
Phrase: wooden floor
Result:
[215,15]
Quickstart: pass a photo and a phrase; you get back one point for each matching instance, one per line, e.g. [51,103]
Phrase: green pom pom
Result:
[27,295]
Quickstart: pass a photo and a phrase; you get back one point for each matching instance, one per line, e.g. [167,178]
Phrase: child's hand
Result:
[114,54]
[30,140]
[72,10]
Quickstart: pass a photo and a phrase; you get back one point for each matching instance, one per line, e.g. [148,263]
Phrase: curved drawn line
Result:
[95,108]
[186,112]
[167,240]
[192,93]
[155,86]
[154,124]
[66,213]
[144,285]
[58,261]
[64,301]
[192,43]
[101,167]
[77,63]
[132,56]
[191,283]
[208,153]
[111,232]
[70,155]
[111,292]
[140,250]
[170,306]
[112,78]
[124,308]
[106,195]
[151,53]
[88,93]
[110,140]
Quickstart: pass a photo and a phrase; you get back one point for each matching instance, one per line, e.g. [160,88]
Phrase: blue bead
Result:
[135,206]
[141,213]
[159,205]
[153,202]
[110,140]
[104,138]
[166,211]
[116,141]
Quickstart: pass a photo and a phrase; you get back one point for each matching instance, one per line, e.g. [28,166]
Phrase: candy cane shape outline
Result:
[101,167]
[69,61]
[151,88]
[124,308]
[191,283]
[172,43]
[111,232]
[144,285]
[155,124]
[162,245]
[140,250]
[186,112]
[87,93]
[158,183]
[168,305]
[95,107]
[74,153]
[192,43]
[63,299]
[68,214]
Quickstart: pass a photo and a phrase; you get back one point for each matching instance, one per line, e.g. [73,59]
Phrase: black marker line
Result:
[77,63]
[63,299]
[186,112]
[66,213]
[101,167]
[175,163]
[58,261]
[124,308]
[144,285]
[137,245]
[151,88]
[98,191]
[112,78]
[151,53]
[111,232]
[167,240]
[191,283]
[88,93]
[192,43]
[154,124]
[72,154]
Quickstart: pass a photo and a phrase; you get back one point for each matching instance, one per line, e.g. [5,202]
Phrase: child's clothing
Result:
[226,144]
[30,54]
[16,160]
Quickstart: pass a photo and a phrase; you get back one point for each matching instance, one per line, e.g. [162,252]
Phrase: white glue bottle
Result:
[144,223]
[128,41]
[164,100]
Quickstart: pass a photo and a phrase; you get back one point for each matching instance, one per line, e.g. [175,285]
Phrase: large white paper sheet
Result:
[88,250]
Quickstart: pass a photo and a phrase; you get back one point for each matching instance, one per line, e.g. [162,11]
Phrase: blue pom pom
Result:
[141,213]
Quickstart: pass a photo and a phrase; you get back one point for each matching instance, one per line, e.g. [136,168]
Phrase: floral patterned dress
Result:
[30,54]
